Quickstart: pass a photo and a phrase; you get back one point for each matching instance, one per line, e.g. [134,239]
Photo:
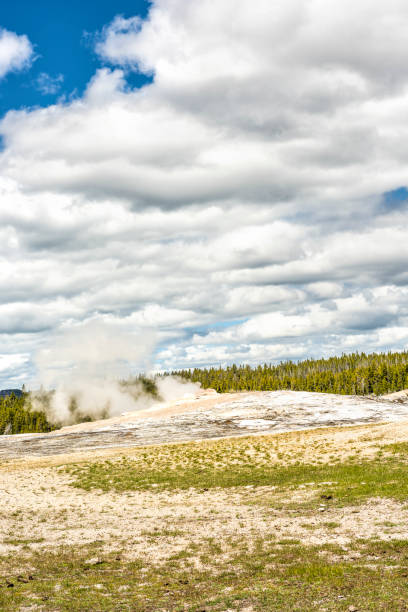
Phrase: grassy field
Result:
[290,522]
[248,463]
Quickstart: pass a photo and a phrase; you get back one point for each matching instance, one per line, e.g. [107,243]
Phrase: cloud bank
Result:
[249,203]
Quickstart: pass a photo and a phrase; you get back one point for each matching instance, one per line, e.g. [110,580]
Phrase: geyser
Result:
[88,373]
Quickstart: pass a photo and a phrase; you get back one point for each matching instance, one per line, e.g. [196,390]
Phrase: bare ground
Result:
[40,510]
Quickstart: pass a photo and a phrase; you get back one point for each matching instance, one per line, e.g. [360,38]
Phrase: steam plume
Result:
[88,373]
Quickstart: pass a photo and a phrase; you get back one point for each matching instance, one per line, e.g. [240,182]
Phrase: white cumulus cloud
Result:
[235,203]
[16,52]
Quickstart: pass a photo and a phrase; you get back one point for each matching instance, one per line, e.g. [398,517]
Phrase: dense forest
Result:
[357,373]
[16,416]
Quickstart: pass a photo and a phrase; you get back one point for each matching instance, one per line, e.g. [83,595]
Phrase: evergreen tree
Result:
[353,374]
[16,416]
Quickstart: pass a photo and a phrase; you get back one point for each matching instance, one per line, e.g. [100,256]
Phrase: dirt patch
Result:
[39,510]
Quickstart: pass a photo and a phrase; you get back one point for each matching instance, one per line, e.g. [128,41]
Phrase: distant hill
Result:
[6,392]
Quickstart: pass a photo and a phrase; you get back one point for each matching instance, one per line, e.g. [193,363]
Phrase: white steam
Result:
[93,350]
[172,388]
[88,373]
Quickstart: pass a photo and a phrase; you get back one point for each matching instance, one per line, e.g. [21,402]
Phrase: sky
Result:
[228,177]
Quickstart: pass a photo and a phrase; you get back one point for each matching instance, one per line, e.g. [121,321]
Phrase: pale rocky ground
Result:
[210,415]
[39,508]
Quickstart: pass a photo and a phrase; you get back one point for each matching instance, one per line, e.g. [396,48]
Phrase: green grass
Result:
[353,481]
[21,541]
[268,576]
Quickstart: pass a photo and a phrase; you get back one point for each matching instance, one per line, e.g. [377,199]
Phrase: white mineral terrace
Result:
[211,415]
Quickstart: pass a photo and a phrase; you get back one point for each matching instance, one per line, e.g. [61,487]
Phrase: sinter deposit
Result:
[206,414]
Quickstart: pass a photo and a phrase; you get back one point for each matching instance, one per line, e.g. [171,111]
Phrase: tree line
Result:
[16,416]
[352,374]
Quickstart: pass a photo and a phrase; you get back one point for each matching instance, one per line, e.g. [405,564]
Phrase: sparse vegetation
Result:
[233,519]
[246,463]
[264,575]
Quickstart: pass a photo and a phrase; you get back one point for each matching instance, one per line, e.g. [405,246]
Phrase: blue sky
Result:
[247,204]
[62,34]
